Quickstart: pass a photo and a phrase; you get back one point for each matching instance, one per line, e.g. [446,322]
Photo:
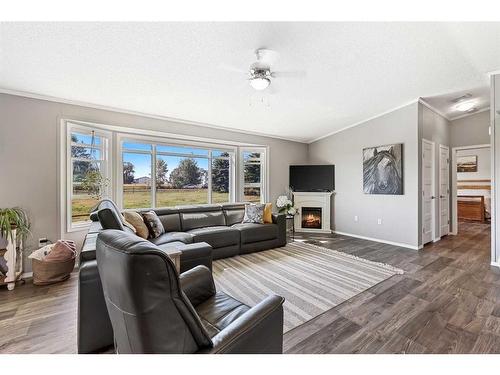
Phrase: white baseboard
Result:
[436,239]
[495,264]
[27,275]
[412,247]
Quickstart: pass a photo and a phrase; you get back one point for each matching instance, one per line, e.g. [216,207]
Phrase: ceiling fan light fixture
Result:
[260,83]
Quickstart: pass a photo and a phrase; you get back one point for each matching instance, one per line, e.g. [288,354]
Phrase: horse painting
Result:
[382,170]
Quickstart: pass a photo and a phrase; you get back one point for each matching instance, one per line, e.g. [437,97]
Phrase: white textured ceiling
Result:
[354,71]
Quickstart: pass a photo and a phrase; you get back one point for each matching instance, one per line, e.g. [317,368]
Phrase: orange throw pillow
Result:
[268,213]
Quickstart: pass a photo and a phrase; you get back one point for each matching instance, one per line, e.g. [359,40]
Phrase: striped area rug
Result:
[312,279]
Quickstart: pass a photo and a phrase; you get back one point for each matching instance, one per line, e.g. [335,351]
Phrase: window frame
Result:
[163,141]
[113,155]
[105,164]
[264,176]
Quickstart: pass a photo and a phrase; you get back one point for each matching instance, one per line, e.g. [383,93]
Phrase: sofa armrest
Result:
[258,331]
[198,284]
[280,221]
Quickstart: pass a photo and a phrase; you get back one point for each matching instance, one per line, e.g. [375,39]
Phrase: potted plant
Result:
[95,184]
[13,219]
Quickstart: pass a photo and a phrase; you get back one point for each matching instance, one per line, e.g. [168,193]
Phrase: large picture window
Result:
[88,172]
[140,170]
[181,175]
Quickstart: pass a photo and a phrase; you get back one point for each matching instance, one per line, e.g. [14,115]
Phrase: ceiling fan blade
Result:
[266,56]
[289,74]
[233,69]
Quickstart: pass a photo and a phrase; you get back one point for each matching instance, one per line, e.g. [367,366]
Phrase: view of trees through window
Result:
[181,175]
[252,176]
[89,181]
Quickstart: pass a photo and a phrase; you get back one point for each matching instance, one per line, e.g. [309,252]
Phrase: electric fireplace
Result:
[311,217]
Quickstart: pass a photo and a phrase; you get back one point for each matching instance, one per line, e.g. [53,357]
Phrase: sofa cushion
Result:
[217,236]
[170,219]
[201,216]
[172,237]
[110,218]
[234,213]
[251,232]
[220,310]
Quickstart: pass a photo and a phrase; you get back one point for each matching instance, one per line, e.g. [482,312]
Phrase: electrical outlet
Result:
[356,218]
[379,221]
[43,241]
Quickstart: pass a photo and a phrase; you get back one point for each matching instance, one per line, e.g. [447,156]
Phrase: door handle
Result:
[433,197]
[441,196]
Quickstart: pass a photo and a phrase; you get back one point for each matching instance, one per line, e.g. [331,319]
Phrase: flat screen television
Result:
[312,177]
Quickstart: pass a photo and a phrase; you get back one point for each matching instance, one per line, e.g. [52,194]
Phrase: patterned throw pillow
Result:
[153,223]
[254,213]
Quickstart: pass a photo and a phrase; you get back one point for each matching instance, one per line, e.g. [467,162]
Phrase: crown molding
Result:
[433,109]
[54,99]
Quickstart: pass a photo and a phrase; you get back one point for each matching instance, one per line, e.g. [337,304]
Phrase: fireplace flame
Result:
[311,220]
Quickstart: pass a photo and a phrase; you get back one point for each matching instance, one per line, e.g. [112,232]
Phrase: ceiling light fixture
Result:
[259,83]
[465,106]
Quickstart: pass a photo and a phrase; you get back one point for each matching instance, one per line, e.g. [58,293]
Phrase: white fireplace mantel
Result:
[313,199]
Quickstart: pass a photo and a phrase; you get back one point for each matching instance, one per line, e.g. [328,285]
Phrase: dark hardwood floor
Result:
[448,301]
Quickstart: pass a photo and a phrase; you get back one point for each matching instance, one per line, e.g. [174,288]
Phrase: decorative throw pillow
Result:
[137,222]
[268,213]
[42,252]
[254,213]
[153,223]
[129,225]
[63,250]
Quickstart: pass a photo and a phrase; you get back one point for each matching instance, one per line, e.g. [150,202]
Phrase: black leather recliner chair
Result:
[154,310]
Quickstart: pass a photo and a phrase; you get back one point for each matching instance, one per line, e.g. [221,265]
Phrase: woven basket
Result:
[45,273]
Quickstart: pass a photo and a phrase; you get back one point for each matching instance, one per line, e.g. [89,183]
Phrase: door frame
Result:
[454,201]
[438,195]
[433,191]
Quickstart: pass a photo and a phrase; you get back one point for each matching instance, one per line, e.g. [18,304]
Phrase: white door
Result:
[428,177]
[444,190]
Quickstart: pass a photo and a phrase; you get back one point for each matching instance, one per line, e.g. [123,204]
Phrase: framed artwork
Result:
[467,163]
[383,169]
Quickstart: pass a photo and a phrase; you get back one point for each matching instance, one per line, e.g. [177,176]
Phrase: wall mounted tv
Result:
[312,177]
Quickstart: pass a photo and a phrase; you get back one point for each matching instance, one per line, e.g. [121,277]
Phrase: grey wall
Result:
[29,131]
[435,128]
[471,130]
[399,213]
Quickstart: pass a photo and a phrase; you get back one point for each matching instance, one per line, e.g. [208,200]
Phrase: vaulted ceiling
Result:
[353,71]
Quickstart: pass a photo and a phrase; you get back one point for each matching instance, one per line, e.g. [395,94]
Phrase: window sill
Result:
[79,227]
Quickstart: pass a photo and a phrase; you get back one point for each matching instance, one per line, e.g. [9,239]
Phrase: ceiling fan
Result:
[260,74]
